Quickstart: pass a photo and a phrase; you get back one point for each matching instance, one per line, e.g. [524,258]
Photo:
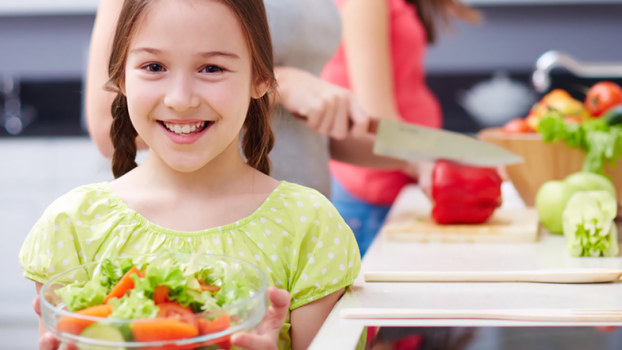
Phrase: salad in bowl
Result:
[171,300]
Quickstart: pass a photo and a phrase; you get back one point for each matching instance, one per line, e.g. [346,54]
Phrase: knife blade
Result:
[411,142]
[418,143]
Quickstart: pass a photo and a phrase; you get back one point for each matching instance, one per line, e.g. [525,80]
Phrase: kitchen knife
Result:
[410,142]
[417,143]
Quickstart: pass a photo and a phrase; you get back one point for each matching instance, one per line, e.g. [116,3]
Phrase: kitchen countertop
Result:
[549,252]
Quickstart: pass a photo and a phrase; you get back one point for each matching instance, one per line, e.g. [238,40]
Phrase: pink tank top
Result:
[415,102]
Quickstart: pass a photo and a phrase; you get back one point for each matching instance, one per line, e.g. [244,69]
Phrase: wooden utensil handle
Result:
[538,276]
[545,315]
[372,129]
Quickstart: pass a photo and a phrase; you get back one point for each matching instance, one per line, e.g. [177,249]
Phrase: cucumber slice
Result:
[102,332]
[209,347]
[613,116]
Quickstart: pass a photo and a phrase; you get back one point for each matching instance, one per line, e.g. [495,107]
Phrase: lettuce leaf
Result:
[232,292]
[134,305]
[589,226]
[596,138]
[78,296]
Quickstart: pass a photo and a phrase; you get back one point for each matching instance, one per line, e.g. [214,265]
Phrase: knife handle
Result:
[372,128]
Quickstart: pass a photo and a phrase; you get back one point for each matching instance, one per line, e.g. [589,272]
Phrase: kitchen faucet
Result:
[541,79]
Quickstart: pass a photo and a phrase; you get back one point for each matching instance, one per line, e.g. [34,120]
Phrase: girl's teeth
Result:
[178,129]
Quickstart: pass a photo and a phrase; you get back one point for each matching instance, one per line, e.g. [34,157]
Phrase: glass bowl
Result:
[106,333]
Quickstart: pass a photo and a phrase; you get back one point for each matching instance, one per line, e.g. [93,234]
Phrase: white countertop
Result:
[74,7]
[548,253]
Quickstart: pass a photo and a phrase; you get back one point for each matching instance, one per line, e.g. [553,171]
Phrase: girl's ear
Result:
[259,89]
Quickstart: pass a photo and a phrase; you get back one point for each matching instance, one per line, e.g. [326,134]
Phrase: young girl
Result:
[382,61]
[190,76]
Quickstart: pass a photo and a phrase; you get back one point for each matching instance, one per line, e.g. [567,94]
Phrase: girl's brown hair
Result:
[429,11]
[258,138]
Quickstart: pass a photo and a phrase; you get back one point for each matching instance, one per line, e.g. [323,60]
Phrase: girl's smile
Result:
[185,132]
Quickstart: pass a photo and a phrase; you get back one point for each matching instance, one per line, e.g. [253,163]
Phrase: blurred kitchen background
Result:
[480,74]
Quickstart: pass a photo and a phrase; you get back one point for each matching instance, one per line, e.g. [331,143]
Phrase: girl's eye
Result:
[212,69]
[154,68]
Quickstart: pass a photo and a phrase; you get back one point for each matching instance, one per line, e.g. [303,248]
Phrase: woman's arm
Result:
[99,101]
[308,319]
[366,40]
[366,33]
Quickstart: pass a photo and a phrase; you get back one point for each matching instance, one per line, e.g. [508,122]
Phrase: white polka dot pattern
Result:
[292,237]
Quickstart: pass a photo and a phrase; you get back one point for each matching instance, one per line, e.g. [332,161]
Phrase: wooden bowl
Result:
[543,162]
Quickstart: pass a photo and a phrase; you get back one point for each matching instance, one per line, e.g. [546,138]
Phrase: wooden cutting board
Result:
[505,226]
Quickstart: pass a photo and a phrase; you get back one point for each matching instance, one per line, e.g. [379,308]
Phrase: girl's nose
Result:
[181,96]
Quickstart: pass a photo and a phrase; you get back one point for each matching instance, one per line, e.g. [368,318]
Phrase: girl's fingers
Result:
[277,313]
[254,342]
[36,304]
[48,342]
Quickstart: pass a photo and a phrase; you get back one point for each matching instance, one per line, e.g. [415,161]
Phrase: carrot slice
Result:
[125,284]
[208,287]
[161,330]
[76,326]
[160,294]
[178,312]
[203,323]
[218,325]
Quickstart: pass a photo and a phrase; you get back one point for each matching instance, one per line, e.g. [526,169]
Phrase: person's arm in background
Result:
[366,38]
[98,100]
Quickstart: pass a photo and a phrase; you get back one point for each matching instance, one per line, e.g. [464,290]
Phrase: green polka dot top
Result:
[296,236]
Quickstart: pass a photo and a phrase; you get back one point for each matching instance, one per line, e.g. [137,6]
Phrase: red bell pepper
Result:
[464,194]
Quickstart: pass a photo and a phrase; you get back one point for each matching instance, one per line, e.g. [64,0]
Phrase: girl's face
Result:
[188,81]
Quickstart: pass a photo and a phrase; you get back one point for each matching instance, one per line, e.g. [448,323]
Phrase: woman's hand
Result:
[266,336]
[328,109]
[422,172]
[47,341]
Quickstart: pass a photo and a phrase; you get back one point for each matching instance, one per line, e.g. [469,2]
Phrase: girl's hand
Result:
[266,336]
[47,341]
[327,108]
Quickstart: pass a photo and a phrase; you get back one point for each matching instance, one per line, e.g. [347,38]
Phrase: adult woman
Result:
[382,62]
